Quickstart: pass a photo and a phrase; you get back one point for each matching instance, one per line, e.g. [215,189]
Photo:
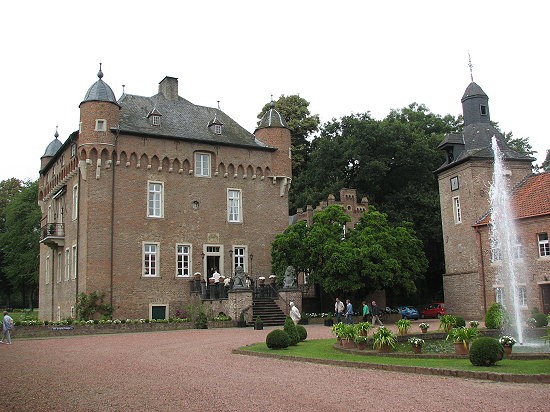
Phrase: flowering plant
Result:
[474,323]
[532,322]
[507,340]
[424,325]
[416,341]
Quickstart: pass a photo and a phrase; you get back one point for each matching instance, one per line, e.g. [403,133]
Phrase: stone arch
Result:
[104,156]
[267,171]
[186,166]
[155,164]
[166,164]
[143,161]
[221,169]
[83,154]
[176,165]
[133,160]
[259,172]
[249,172]
[230,170]
[240,171]
[93,154]
[123,158]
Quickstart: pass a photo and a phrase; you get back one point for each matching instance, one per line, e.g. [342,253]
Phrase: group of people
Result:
[346,311]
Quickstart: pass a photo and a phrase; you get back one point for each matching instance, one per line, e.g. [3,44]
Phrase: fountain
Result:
[503,236]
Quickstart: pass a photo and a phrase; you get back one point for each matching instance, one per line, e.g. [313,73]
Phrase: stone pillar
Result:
[239,300]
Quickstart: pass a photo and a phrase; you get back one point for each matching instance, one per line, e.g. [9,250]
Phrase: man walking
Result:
[338,310]
[349,312]
[375,310]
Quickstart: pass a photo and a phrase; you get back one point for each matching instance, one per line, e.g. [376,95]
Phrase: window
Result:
[517,249]
[217,129]
[150,259]
[522,295]
[73,312]
[454,183]
[47,269]
[155,199]
[496,254]
[233,205]
[544,246]
[74,262]
[155,120]
[483,109]
[67,264]
[202,164]
[59,267]
[499,295]
[456,210]
[50,214]
[183,260]
[75,202]
[100,125]
[73,150]
[239,257]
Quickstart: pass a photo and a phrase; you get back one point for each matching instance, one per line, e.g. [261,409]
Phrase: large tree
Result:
[20,241]
[374,255]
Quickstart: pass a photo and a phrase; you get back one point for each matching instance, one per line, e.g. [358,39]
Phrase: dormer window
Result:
[155,120]
[217,128]
[483,109]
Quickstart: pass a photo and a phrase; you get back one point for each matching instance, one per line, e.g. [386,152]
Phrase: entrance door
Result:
[212,260]
[545,291]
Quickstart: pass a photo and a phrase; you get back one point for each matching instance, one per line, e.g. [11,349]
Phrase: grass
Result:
[24,314]
[322,349]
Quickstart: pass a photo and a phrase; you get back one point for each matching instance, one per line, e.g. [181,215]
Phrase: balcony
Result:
[53,235]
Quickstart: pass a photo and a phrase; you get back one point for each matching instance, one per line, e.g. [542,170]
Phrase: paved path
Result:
[194,370]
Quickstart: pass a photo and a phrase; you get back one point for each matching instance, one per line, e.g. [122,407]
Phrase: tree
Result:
[8,189]
[302,125]
[546,164]
[20,241]
[374,255]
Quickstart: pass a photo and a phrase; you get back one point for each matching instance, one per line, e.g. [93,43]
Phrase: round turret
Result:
[100,91]
[475,105]
[51,150]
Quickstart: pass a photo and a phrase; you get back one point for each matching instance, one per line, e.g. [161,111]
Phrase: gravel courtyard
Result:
[195,370]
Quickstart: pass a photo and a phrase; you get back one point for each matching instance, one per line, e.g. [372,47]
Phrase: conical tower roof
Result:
[53,147]
[100,91]
[272,118]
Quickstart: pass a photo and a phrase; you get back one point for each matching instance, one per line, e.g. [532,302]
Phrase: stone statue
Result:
[239,279]
[289,280]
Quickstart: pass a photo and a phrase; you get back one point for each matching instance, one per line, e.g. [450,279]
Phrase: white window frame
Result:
[202,164]
[517,249]
[496,252]
[47,271]
[234,205]
[67,264]
[75,202]
[100,125]
[166,311]
[155,199]
[522,295]
[456,210]
[183,260]
[499,295]
[217,129]
[155,120]
[74,261]
[544,244]
[240,257]
[150,269]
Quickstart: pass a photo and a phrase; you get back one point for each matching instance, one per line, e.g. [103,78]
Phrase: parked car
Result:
[434,310]
[408,312]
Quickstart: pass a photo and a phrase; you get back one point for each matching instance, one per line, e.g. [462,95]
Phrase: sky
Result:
[342,56]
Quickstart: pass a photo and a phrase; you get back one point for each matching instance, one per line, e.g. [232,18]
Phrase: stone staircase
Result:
[268,311]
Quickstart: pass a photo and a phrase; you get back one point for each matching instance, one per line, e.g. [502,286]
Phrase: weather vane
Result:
[471,66]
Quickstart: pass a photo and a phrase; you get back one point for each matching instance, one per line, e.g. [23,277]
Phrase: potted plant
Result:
[258,324]
[384,340]
[363,328]
[473,323]
[403,325]
[416,344]
[361,342]
[447,322]
[241,323]
[304,320]
[338,330]
[462,337]
[424,327]
[348,334]
[327,319]
[507,342]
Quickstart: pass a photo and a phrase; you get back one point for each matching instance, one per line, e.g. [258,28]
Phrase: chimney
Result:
[168,87]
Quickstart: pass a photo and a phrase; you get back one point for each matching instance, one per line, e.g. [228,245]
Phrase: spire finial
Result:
[272,103]
[123,86]
[471,66]
[56,133]
[218,105]
[100,73]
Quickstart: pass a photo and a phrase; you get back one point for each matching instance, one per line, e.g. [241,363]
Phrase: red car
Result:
[434,310]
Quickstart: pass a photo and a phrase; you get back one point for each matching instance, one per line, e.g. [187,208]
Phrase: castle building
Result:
[470,282]
[151,190]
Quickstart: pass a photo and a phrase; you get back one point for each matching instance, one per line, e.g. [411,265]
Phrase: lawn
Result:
[323,349]
[24,314]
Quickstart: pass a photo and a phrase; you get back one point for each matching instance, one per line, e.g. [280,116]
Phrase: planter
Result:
[258,326]
[424,330]
[384,349]
[328,322]
[507,350]
[417,348]
[460,349]
[348,344]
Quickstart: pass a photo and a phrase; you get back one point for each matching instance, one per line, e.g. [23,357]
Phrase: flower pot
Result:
[507,350]
[424,330]
[460,349]
[258,326]
[348,344]
[384,349]
[417,348]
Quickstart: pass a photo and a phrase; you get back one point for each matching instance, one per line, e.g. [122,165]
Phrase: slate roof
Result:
[272,118]
[530,198]
[182,120]
[473,89]
[52,148]
[99,92]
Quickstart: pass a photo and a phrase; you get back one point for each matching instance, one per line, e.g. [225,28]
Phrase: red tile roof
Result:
[530,198]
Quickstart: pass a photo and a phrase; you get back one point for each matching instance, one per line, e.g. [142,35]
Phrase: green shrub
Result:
[486,351]
[277,339]
[459,322]
[496,317]
[540,320]
[201,321]
[302,332]
[290,329]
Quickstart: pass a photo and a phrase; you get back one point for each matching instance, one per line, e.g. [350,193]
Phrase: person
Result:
[366,311]
[294,313]
[349,312]
[7,325]
[216,275]
[375,310]
[338,310]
